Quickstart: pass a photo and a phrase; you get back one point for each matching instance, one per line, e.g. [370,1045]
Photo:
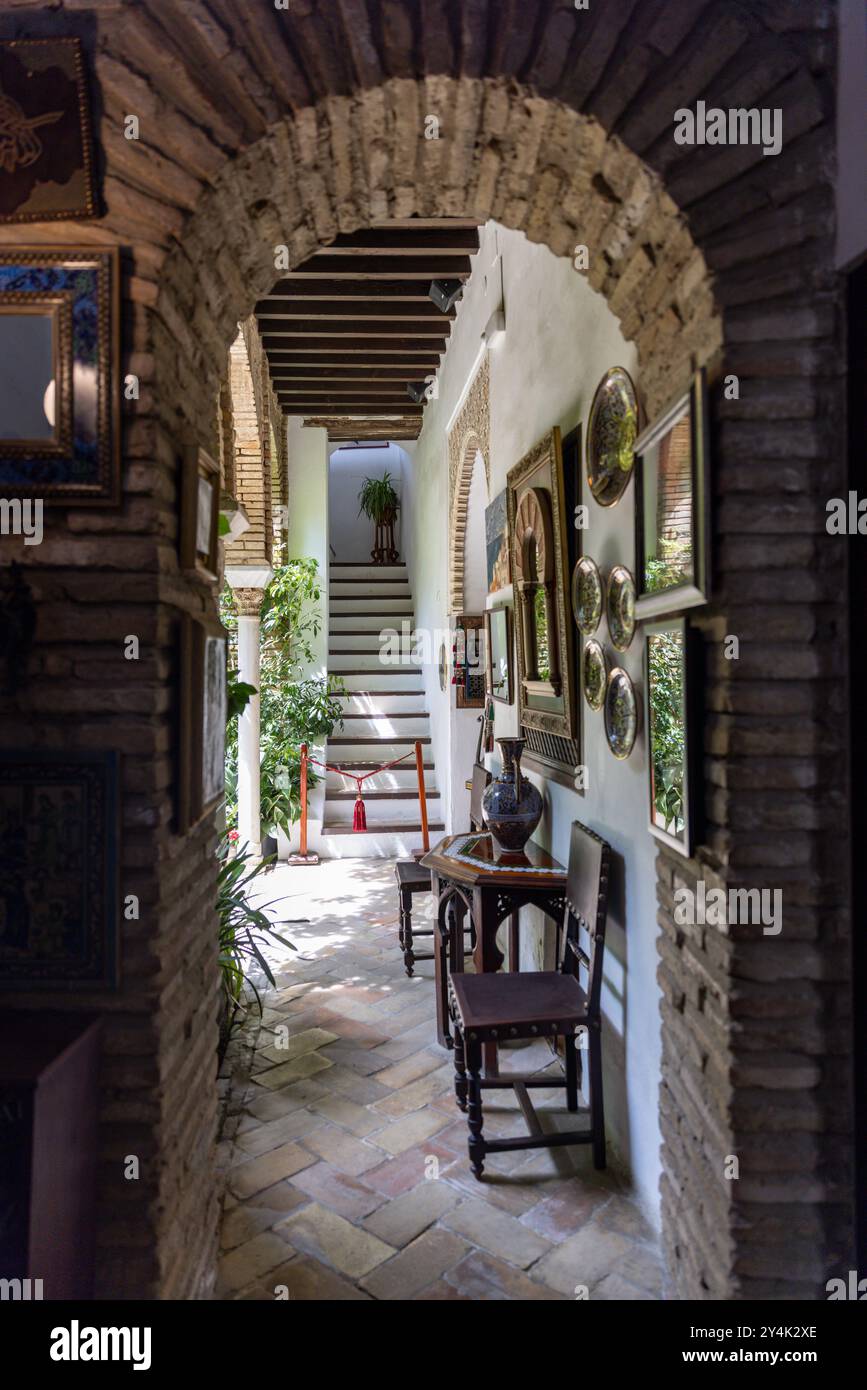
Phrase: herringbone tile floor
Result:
[347,1176]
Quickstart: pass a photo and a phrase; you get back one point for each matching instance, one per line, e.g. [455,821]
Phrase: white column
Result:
[248,584]
[248,736]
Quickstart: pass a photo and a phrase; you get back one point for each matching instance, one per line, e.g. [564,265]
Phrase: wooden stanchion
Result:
[303,857]
[422,798]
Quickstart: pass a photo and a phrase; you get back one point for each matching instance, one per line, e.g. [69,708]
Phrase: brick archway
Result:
[293,128]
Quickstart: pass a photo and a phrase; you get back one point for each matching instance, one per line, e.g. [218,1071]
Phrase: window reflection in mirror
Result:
[27,379]
[666,666]
[667,509]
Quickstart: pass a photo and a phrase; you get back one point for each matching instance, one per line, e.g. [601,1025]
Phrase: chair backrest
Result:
[481,778]
[587,907]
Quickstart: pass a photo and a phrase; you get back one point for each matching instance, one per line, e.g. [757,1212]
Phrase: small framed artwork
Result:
[59,855]
[497,544]
[670,654]
[46,151]
[500,678]
[672,508]
[203,707]
[469,662]
[200,513]
[59,379]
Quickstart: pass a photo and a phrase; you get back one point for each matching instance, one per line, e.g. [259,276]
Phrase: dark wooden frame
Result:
[673,600]
[105,491]
[692,726]
[510,664]
[90,206]
[196,465]
[192,806]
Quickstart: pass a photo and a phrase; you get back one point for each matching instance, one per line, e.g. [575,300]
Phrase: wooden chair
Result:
[412,878]
[550,1003]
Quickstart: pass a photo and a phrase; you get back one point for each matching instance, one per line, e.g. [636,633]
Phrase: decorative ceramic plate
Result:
[587,599]
[620,607]
[621,713]
[611,434]
[595,673]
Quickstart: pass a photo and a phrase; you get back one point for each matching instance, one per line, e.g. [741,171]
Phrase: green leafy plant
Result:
[292,710]
[672,566]
[243,927]
[378,499]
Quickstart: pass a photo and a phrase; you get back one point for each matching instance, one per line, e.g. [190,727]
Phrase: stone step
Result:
[400,843]
[372,662]
[387,608]
[369,588]
[350,569]
[397,682]
[366,621]
[409,725]
[381,828]
[395,810]
[402,779]
[372,703]
[372,640]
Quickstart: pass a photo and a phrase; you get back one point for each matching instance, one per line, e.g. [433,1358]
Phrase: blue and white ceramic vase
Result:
[512,804]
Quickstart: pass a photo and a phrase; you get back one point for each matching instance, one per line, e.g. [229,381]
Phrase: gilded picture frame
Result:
[536,511]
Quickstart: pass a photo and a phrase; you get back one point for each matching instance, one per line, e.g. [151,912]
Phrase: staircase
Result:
[384,715]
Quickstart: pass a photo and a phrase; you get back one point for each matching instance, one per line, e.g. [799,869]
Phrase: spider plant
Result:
[378,499]
[243,927]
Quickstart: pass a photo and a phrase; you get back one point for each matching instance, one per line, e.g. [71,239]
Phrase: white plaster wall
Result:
[352,536]
[307,453]
[560,338]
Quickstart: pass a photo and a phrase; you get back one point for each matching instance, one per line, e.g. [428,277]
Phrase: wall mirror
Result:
[500,681]
[672,508]
[35,406]
[543,632]
[669,652]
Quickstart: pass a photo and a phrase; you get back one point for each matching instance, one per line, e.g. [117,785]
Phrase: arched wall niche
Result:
[292,128]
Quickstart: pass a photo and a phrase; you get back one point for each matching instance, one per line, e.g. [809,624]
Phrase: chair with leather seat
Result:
[549,1004]
[413,878]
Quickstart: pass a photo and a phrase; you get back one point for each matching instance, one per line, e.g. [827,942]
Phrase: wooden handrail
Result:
[422,796]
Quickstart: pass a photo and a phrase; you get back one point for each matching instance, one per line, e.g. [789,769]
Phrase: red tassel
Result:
[359,818]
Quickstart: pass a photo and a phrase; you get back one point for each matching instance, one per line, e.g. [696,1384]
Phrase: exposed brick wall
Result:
[286,127]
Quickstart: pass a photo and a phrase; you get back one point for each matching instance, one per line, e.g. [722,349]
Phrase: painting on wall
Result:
[200,513]
[59,375]
[203,705]
[670,653]
[497,544]
[672,512]
[59,870]
[46,154]
[543,631]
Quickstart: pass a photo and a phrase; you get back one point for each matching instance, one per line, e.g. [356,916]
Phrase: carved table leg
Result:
[474,1109]
[460,1069]
[487,955]
[408,954]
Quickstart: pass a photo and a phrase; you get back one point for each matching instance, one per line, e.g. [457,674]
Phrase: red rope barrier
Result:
[359,815]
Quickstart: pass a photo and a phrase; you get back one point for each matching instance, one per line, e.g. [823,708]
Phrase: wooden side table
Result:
[498,886]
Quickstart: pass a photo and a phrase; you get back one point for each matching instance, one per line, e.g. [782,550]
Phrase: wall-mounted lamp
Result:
[446,293]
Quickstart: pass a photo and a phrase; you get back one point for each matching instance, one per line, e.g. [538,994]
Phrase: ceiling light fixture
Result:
[417,391]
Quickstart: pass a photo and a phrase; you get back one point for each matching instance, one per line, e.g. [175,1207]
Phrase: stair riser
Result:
[374,622]
[386,678]
[376,753]
[386,812]
[373,591]
[380,706]
[386,636]
[401,778]
[372,662]
[380,726]
[384,608]
[337,573]
[372,846]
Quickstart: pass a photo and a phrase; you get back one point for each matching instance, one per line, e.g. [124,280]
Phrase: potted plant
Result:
[379,502]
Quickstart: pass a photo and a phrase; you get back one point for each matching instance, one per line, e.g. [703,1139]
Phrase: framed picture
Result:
[200,513]
[500,678]
[672,508]
[59,854]
[203,704]
[46,151]
[543,629]
[469,662]
[59,376]
[670,657]
[497,544]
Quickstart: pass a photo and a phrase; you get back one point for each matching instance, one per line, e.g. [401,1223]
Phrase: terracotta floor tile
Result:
[317,1231]
[348,1196]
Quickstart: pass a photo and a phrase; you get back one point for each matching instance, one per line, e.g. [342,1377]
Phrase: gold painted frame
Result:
[58,308]
[541,469]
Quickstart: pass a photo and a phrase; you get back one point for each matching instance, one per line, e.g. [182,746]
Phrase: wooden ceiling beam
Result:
[413,291]
[382,343]
[325,267]
[374,309]
[397,241]
[386,374]
[359,328]
[339,406]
